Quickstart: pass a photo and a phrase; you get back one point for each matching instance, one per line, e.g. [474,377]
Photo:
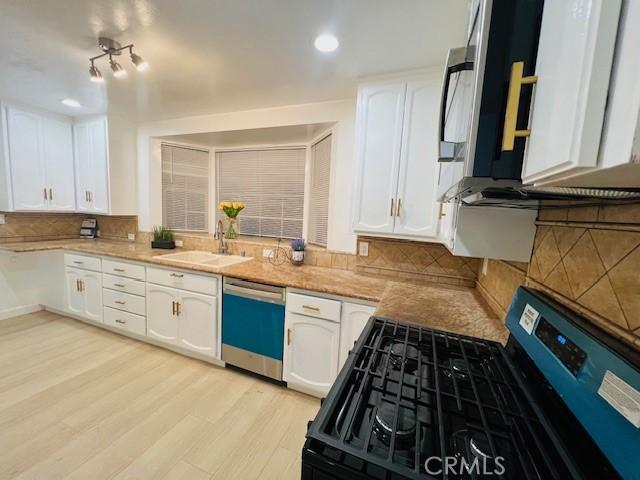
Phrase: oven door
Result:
[461,92]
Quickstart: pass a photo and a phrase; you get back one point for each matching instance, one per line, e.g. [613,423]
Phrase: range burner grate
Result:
[408,394]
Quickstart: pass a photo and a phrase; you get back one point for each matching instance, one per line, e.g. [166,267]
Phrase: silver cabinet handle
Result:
[51,194]
[121,321]
[391,209]
[78,262]
[120,302]
[398,207]
[309,307]
[121,270]
[119,285]
[177,275]
[45,193]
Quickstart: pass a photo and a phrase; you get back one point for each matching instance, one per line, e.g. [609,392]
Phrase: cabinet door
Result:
[577,41]
[162,323]
[379,134]
[92,291]
[58,162]
[353,320]
[311,353]
[82,154]
[198,323]
[99,193]
[416,199]
[74,302]
[25,154]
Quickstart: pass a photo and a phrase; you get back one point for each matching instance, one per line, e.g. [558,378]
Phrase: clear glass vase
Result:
[232,229]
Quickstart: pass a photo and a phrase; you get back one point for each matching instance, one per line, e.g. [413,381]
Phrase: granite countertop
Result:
[456,309]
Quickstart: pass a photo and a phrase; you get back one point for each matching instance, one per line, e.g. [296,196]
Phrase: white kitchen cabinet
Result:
[58,156]
[40,156]
[352,322]
[162,321]
[379,136]
[105,159]
[198,325]
[575,53]
[184,319]
[92,171]
[84,293]
[396,151]
[311,353]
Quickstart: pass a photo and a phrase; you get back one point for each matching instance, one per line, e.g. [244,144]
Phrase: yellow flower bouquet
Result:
[231,210]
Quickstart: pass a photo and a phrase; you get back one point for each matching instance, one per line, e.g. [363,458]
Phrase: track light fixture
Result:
[112,48]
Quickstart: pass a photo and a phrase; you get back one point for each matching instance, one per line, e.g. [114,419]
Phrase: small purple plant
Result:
[298,245]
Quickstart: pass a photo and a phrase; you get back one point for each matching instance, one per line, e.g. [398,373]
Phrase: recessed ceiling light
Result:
[70,102]
[326,42]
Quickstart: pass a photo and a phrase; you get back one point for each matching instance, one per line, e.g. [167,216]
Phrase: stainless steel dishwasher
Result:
[253,326]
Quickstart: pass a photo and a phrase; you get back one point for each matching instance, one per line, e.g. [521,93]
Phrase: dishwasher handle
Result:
[256,291]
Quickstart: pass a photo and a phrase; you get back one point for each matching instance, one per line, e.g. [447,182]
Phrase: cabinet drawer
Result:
[124,301]
[82,261]
[314,306]
[183,281]
[123,269]
[127,285]
[126,321]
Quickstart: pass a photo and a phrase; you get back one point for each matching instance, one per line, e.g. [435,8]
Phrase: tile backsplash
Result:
[58,226]
[416,260]
[586,258]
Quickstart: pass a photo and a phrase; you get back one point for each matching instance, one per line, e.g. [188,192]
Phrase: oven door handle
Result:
[458,60]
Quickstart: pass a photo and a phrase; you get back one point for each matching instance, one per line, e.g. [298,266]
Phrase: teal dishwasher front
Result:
[253,326]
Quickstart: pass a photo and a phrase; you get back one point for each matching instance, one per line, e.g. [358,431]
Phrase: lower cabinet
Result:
[185,319]
[352,322]
[311,353]
[83,293]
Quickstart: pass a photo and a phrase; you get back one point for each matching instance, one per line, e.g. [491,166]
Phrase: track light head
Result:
[95,74]
[140,64]
[117,69]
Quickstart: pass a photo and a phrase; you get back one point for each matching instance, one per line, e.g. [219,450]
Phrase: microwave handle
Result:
[458,60]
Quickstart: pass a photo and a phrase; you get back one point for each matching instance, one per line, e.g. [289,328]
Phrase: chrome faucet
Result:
[219,235]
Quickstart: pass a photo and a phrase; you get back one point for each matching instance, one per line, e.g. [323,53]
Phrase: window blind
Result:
[319,193]
[185,188]
[270,183]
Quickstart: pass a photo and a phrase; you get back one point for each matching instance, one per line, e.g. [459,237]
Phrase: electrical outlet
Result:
[267,253]
[179,243]
[2,221]
[131,236]
[363,249]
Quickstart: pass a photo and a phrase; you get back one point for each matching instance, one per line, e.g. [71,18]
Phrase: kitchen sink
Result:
[197,257]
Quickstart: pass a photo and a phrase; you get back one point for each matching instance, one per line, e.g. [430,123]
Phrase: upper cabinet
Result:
[39,157]
[573,70]
[396,151]
[105,165]
[92,169]
[50,163]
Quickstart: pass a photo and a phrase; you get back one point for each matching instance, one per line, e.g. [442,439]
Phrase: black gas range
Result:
[417,403]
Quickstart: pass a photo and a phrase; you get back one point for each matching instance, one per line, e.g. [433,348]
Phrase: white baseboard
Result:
[21,310]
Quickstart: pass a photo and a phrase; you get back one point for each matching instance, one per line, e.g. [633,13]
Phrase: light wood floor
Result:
[79,402]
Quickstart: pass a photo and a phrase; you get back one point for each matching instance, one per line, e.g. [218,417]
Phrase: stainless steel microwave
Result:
[474,98]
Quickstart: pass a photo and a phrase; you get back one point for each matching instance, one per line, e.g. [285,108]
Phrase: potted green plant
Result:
[162,238]
[297,251]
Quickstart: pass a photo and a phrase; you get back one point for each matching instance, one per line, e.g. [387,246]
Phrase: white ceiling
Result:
[211,56]
[289,135]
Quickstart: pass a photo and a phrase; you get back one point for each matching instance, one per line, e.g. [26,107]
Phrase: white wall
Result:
[20,286]
[341,237]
